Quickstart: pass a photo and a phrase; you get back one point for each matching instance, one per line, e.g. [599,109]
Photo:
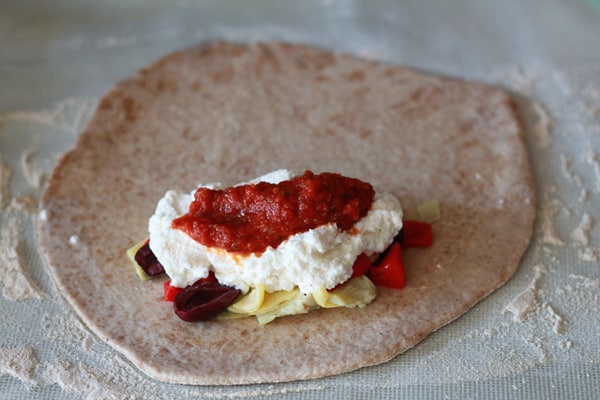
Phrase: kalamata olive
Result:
[147,260]
[203,301]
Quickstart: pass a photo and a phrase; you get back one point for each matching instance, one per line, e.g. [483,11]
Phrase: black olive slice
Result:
[147,260]
[203,301]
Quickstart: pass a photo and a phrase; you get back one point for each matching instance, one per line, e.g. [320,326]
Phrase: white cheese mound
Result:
[321,257]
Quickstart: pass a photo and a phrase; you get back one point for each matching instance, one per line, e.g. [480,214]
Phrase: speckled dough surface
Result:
[227,112]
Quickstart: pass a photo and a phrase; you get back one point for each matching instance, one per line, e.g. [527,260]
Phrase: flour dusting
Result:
[18,362]
[517,79]
[58,328]
[586,281]
[558,319]
[68,114]
[81,380]
[548,213]
[14,271]
[525,301]
[33,175]
[583,195]
[542,125]
[565,163]
[582,233]
[589,254]
[593,161]
[25,203]
[5,173]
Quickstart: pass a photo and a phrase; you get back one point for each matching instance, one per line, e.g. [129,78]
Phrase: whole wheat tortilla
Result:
[228,112]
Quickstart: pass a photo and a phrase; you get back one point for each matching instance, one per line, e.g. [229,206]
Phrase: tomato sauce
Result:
[249,218]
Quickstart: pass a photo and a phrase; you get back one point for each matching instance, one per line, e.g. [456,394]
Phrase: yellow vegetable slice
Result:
[411,215]
[299,304]
[141,273]
[258,302]
[429,211]
[250,302]
[426,212]
[357,292]
[274,300]
[274,305]
[131,255]
[230,315]
[321,296]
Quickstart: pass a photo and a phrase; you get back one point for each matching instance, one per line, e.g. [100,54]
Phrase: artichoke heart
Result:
[299,304]
[250,302]
[274,300]
[357,292]
[321,296]
[429,211]
[258,301]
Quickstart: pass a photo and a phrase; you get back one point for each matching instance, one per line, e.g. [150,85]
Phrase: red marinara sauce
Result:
[249,218]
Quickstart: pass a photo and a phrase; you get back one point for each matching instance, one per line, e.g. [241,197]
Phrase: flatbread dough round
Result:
[223,112]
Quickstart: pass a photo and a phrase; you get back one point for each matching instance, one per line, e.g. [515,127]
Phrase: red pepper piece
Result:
[416,234]
[390,271]
[170,291]
[361,266]
[210,278]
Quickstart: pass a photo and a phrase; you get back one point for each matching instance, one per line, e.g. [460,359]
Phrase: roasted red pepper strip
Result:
[416,234]
[172,291]
[390,271]
[361,266]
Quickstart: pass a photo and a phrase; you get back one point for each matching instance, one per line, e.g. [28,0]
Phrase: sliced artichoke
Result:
[250,302]
[321,296]
[275,300]
[299,304]
[429,211]
[357,292]
[230,315]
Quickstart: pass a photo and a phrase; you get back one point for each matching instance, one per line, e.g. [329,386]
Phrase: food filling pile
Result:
[278,245]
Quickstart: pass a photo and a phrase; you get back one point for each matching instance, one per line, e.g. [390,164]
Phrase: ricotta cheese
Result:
[319,258]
